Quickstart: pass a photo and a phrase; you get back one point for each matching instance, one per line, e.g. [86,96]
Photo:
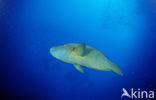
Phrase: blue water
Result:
[122,29]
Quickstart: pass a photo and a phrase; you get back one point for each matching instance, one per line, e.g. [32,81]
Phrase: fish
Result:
[82,55]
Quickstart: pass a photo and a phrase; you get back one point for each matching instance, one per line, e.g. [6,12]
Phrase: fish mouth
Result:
[52,51]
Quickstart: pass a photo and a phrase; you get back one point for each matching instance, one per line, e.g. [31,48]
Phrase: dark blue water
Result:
[124,30]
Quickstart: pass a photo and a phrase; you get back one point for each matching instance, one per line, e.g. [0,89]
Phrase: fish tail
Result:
[116,69]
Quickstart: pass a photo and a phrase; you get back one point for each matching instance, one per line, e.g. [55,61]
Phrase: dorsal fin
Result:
[80,49]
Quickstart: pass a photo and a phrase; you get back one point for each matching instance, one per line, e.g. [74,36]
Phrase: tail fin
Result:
[116,69]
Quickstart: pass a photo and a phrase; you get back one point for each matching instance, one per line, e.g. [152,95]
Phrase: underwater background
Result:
[124,30]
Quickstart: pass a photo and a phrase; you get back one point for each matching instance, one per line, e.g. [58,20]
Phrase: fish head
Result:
[61,52]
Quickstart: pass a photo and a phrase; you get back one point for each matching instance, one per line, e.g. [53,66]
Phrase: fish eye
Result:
[73,48]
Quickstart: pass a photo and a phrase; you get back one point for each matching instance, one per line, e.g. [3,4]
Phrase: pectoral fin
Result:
[79,68]
[80,49]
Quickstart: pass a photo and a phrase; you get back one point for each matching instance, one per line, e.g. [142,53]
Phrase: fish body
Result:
[81,55]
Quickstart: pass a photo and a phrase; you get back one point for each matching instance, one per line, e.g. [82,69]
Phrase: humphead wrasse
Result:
[81,55]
